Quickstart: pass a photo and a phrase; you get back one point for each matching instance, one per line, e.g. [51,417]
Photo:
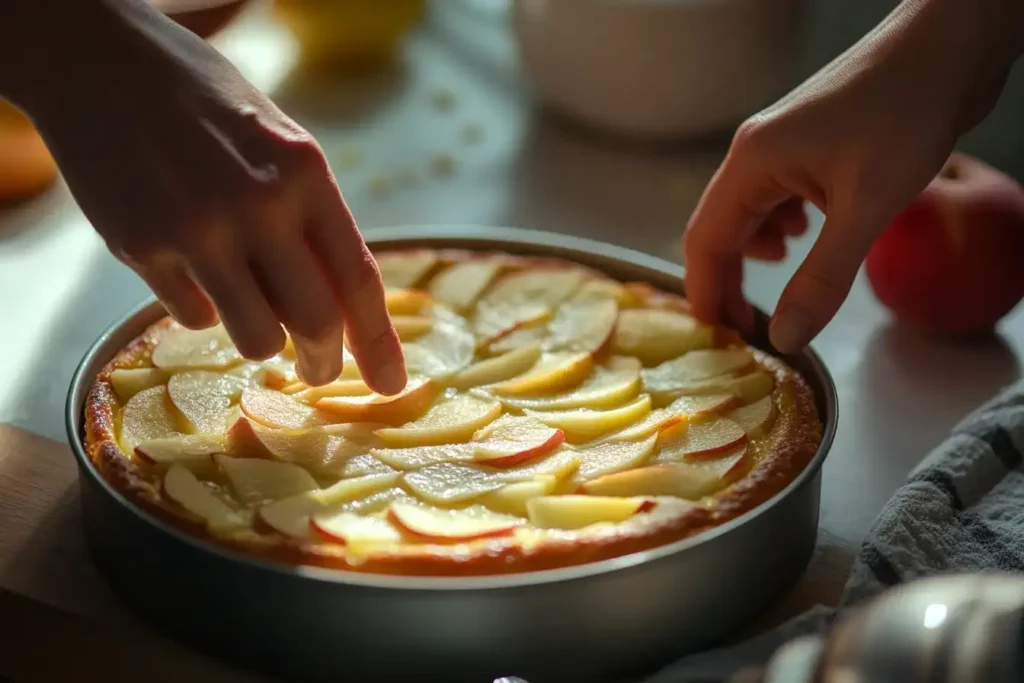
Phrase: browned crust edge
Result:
[796,437]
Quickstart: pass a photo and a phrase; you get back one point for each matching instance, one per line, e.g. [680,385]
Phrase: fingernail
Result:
[390,378]
[791,329]
[312,367]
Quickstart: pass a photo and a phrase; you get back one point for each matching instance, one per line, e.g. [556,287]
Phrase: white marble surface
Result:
[899,393]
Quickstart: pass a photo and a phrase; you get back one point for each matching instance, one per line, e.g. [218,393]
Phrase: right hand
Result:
[859,140]
[220,202]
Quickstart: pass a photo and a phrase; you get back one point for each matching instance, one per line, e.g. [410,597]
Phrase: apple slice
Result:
[498,369]
[449,483]
[437,524]
[459,286]
[129,381]
[316,448]
[511,441]
[553,372]
[521,337]
[584,323]
[279,371]
[274,409]
[358,466]
[340,387]
[655,336]
[255,480]
[611,384]
[406,301]
[694,367]
[578,511]
[409,404]
[512,498]
[357,532]
[704,440]
[545,286]
[560,463]
[493,323]
[191,450]
[290,516]
[204,397]
[376,502]
[613,456]
[705,406]
[680,480]
[447,349]
[209,349]
[148,415]
[404,269]
[657,422]
[417,457]
[410,327]
[746,388]
[755,419]
[582,425]
[452,421]
[182,486]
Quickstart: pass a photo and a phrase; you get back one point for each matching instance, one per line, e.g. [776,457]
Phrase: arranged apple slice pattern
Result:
[542,398]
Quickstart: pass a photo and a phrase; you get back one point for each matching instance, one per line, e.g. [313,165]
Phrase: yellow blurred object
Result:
[349,32]
[26,167]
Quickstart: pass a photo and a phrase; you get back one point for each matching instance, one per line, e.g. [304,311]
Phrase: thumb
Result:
[821,283]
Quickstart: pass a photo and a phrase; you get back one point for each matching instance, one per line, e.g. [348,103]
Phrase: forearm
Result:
[57,51]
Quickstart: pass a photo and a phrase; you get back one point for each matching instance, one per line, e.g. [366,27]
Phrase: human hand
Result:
[220,202]
[859,140]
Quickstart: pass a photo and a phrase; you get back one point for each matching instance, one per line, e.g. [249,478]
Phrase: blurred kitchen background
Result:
[603,118]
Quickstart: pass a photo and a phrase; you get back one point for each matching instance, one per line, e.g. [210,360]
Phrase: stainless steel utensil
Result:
[603,621]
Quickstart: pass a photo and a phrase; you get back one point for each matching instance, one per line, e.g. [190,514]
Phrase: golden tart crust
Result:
[412,512]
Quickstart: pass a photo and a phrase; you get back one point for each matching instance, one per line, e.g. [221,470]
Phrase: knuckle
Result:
[318,325]
[750,136]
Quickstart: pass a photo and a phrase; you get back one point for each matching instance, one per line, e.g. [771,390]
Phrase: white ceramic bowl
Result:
[660,68]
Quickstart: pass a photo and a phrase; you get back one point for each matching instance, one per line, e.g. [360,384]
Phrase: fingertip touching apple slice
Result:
[405,269]
[578,511]
[511,441]
[255,480]
[553,372]
[186,490]
[190,450]
[583,424]
[409,404]
[148,415]
[497,369]
[656,335]
[694,367]
[755,419]
[129,381]
[203,398]
[460,285]
[209,349]
[449,422]
[441,525]
[704,440]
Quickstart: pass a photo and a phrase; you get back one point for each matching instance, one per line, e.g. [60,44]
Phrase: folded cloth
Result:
[961,510]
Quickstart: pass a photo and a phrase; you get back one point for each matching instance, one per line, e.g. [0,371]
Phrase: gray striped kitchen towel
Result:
[961,510]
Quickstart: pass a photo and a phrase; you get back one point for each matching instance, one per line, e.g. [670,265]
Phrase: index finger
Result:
[335,238]
[733,206]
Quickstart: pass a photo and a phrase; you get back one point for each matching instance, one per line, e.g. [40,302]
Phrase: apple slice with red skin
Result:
[613,456]
[279,411]
[949,263]
[680,480]
[755,419]
[441,525]
[553,372]
[497,369]
[357,532]
[613,383]
[190,450]
[583,425]
[512,440]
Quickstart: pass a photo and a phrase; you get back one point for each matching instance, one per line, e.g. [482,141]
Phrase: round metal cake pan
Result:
[614,620]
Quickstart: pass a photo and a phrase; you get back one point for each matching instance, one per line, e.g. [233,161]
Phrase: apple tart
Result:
[552,417]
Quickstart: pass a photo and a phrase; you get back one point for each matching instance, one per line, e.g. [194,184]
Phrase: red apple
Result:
[951,263]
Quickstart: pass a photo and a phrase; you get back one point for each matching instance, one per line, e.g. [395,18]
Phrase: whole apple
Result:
[952,262]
